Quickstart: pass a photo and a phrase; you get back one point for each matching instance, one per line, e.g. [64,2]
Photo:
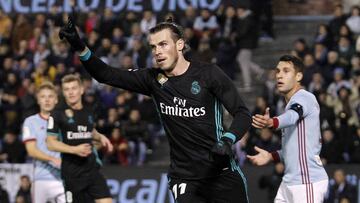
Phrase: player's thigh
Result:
[229,187]
[56,192]
[320,190]
[281,195]
[185,191]
[39,191]
[301,193]
[75,191]
[98,188]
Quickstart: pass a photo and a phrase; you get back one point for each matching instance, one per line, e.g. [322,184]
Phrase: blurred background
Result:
[244,38]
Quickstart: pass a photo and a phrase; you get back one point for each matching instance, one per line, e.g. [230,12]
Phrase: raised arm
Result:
[137,81]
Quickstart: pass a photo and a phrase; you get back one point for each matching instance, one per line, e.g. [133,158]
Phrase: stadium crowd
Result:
[31,52]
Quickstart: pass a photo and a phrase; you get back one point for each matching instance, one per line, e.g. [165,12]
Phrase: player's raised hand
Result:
[262,121]
[83,150]
[261,158]
[71,35]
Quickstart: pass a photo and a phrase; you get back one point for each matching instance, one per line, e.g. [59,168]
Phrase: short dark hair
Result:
[176,30]
[297,62]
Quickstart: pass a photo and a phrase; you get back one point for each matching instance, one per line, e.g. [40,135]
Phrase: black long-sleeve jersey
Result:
[74,127]
[190,107]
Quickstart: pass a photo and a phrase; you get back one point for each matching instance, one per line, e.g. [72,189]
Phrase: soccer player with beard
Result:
[189,96]
[305,179]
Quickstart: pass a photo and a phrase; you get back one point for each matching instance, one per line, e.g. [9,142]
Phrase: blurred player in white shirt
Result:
[305,179]
[47,185]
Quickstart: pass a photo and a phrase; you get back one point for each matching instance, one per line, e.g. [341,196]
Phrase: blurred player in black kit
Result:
[189,96]
[71,131]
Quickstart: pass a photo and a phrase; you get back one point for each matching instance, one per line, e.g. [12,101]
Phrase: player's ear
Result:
[299,76]
[180,44]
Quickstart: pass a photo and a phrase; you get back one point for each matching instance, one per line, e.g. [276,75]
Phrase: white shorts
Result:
[307,193]
[48,191]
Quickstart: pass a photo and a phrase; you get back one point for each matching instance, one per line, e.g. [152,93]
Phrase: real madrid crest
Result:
[161,78]
[195,87]
[69,113]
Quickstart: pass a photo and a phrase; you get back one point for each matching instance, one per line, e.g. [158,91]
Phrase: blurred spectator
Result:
[38,37]
[353,20]
[24,190]
[28,101]
[93,41]
[115,56]
[104,49]
[128,22]
[204,52]
[62,54]
[354,148]
[317,83]
[344,31]
[23,51]
[108,22]
[24,68]
[269,91]
[22,31]
[328,70]
[190,38]
[340,188]
[136,34]
[91,22]
[148,21]
[323,36]
[187,21]
[338,82]
[310,68]
[5,26]
[331,150]
[246,39]
[327,114]
[120,152]
[339,19]
[300,48]
[4,196]
[320,54]
[119,38]
[41,53]
[346,51]
[13,150]
[227,22]
[139,54]
[205,22]
[136,133]
[272,181]
[264,18]
[355,65]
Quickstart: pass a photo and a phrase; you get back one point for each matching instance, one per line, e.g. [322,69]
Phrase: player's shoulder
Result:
[304,97]
[32,118]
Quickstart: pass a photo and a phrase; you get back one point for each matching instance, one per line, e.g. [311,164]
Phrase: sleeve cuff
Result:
[275,156]
[230,136]
[85,55]
[275,122]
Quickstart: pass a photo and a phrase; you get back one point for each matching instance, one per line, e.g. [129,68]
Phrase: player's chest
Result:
[182,92]
[77,121]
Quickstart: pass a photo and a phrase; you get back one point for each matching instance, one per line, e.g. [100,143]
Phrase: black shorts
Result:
[86,189]
[229,187]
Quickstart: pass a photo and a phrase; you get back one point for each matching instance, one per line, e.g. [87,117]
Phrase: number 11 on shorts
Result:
[182,187]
